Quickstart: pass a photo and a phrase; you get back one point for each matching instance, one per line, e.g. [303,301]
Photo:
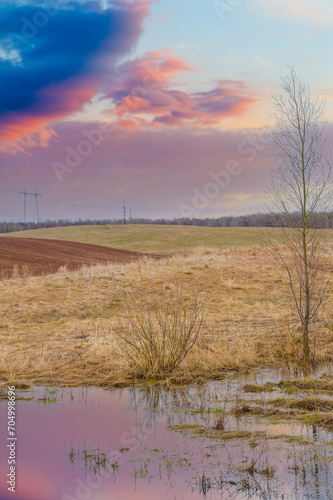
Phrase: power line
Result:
[35,194]
[124,212]
[82,205]
[77,205]
[36,199]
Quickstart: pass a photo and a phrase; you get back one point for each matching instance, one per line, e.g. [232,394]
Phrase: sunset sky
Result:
[164,104]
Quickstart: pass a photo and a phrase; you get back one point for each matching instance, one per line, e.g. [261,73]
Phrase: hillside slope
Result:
[153,238]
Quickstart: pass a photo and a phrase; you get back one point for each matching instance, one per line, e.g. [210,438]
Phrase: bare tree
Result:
[299,194]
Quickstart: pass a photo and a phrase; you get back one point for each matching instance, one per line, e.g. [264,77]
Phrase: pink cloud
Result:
[146,87]
[64,99]
[146,92]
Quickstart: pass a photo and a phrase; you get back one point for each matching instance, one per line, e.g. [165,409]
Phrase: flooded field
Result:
[237,438]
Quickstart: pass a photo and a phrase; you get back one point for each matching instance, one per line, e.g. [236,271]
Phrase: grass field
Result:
[59,327]
[154,238]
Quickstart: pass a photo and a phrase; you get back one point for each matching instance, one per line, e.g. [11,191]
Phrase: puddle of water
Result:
[148,444]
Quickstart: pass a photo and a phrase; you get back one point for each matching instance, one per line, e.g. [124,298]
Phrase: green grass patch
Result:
[153,238]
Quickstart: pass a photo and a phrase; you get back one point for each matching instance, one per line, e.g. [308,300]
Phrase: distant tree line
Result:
[253,220]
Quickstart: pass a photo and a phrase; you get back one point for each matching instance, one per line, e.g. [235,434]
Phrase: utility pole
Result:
[35,194]
[131,216]
[124,212]
[36,199]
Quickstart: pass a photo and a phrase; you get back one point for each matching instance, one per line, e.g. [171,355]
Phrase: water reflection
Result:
[163,443]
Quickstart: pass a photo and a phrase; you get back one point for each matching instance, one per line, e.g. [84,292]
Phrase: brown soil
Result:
[32,256]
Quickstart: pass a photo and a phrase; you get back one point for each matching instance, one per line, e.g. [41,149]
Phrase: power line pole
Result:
[124,212]
[35,194]
[36,199]
[131,216]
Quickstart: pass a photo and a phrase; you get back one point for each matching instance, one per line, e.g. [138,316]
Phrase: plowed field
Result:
[32,256]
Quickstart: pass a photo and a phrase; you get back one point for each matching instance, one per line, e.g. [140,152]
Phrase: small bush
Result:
[158,333]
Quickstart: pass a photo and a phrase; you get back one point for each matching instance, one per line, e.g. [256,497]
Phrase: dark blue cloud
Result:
[60,44]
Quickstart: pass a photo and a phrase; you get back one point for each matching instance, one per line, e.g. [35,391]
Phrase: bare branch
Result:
[300,189]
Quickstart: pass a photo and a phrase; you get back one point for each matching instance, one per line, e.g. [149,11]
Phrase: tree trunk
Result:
[306,345]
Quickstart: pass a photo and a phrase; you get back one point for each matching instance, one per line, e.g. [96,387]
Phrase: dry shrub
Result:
[158,333]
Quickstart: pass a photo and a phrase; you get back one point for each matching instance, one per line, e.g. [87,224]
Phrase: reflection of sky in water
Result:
[156,462]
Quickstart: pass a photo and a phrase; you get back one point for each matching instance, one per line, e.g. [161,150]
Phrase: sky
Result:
[164,105]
